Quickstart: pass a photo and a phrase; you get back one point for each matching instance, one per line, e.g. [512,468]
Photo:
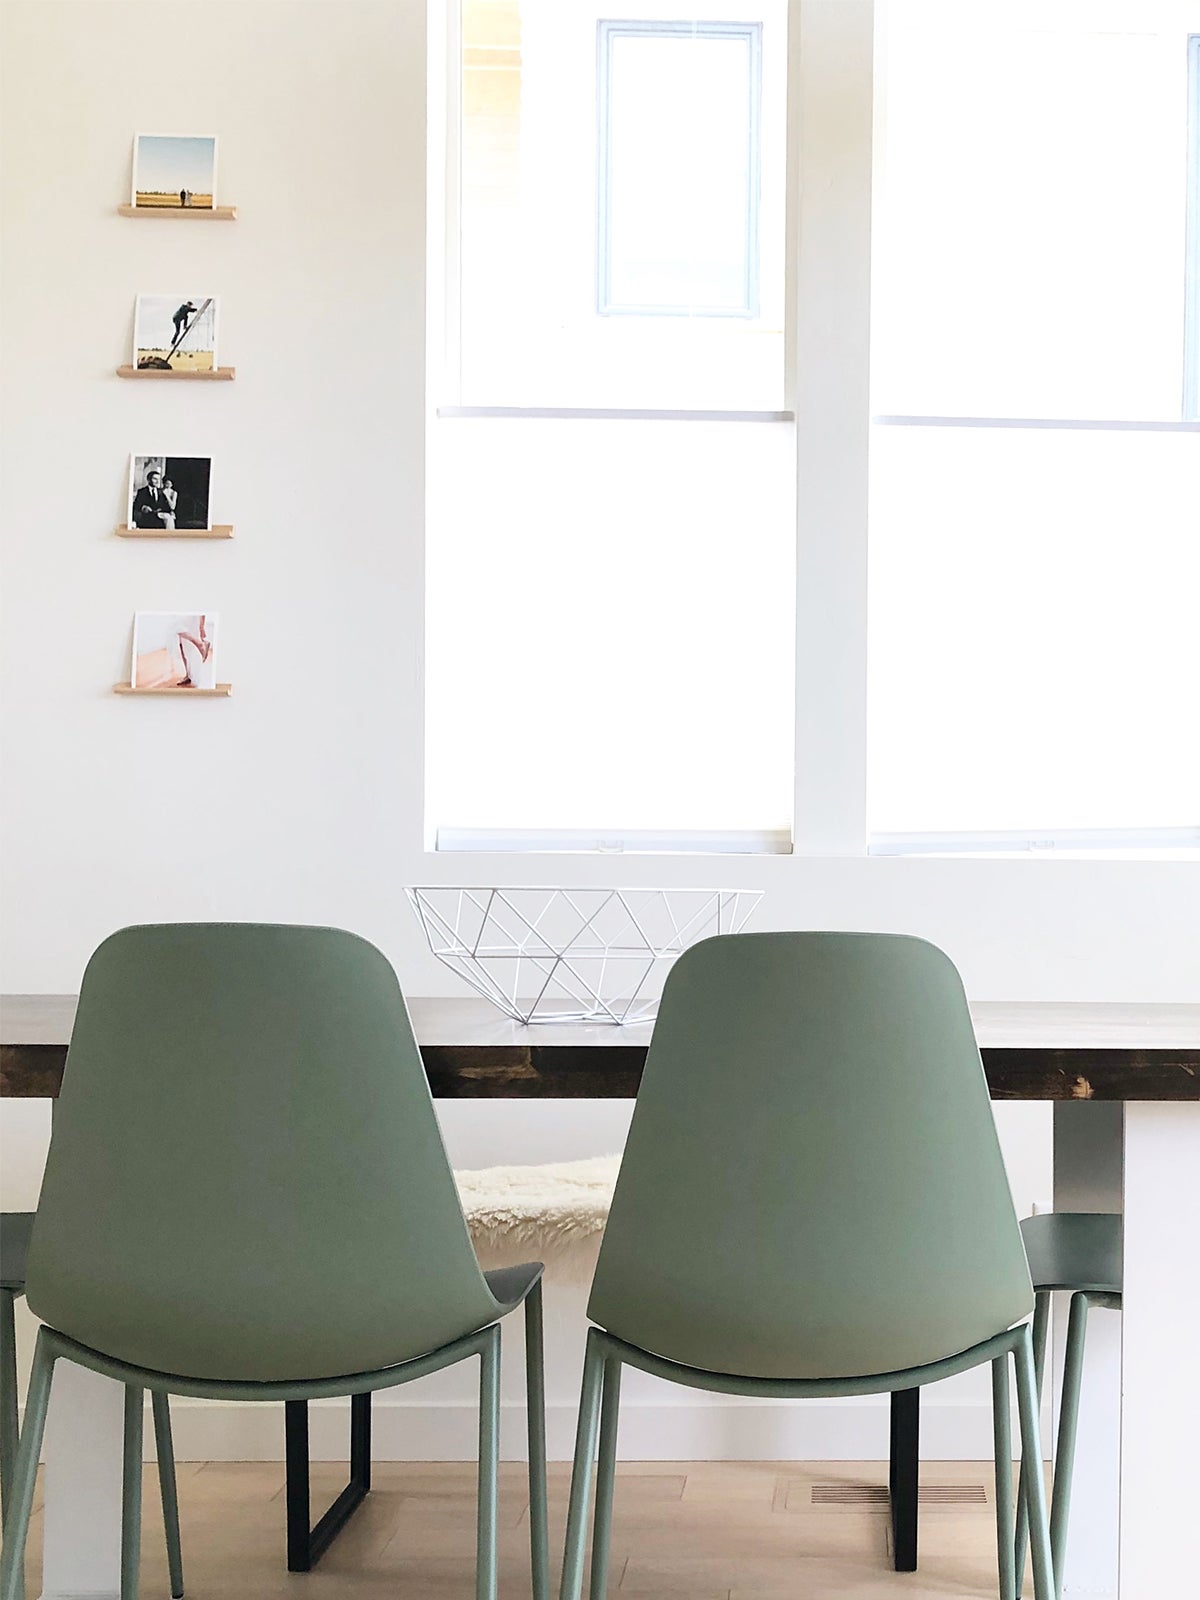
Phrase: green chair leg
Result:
[1002,1430]
[610,1409]
[16,1512]
[535,1405]
[9,1426]
[1068,1423]
[1041,1324]
[1031,1452]
[131,1493]
[161,1406]
[581,1472]
[489,1468]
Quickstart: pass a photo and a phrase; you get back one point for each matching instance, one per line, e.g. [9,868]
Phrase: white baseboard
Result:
[768,1431]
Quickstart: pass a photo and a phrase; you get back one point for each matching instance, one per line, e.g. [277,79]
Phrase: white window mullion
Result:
[830,98]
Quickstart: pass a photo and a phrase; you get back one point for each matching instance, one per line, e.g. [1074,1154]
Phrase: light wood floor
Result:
[705,1530]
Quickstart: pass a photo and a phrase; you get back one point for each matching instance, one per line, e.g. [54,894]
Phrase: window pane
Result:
[679,168]
[1030,208]
[534,196]
[610,638]
[1033,644]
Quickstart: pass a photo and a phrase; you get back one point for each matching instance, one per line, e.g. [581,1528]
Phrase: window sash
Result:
[608,36]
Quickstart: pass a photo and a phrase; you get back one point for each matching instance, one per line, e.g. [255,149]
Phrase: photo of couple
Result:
[169,494]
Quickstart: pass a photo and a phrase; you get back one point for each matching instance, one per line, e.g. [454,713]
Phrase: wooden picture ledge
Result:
[219,691]
[209,213]
[214,373]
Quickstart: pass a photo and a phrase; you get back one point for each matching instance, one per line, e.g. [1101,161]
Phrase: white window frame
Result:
[827,230]
[607,33]
[1126,842]
[832,48]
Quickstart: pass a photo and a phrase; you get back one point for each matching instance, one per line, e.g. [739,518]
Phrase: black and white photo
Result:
[170,494]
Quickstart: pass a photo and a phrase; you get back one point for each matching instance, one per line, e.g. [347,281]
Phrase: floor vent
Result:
[876,1494]
[951,1494]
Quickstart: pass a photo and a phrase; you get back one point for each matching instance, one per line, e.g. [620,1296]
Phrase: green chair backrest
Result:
[246,1179]
[812,1186]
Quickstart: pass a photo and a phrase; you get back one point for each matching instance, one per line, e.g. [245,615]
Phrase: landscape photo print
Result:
[174,172]
[175,333]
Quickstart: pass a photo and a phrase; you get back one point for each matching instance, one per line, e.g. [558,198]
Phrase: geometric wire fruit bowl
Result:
[571,955]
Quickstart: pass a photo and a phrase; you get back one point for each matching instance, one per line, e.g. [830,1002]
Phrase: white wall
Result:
[300,798]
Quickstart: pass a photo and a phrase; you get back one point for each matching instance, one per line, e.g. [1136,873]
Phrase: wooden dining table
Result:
[1124,1081]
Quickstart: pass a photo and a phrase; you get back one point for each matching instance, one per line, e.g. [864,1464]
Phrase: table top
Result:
[999,1024]
[1032,1050]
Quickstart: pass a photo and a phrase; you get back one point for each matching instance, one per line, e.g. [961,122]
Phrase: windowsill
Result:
[791,853]
[1070,424]
[613,414]
[1035,855]
[614,844]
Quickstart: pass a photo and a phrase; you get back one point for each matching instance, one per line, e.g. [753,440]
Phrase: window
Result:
[678,191]
[611,563]
[616,210]
[1034,549]
[639,633]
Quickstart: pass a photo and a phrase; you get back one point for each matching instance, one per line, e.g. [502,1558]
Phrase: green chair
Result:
[812,1201]
[1067,1250]
[247,1198]
[15,1230]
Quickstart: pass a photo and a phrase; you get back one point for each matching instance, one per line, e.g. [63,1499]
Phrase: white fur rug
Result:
[554,1213]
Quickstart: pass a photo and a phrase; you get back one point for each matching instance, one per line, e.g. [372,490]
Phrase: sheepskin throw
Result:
[554,1213]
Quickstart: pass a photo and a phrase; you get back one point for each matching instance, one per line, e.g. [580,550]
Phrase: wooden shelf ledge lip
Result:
[212,374]
[209,213]
[219,530]
[221,690]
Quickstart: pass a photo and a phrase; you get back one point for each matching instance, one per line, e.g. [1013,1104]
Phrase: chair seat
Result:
[15,1230]
[1074,1250]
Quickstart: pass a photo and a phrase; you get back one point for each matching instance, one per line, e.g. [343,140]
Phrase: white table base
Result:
[83,1486]
[1160,1436]
[1088,1177]
[1137,1463]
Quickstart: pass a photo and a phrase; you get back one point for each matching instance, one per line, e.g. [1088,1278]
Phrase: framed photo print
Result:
[175,333]
[174,650]
[169,494]
[173,172]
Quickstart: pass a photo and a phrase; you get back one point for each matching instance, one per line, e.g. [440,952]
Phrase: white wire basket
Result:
[572,955]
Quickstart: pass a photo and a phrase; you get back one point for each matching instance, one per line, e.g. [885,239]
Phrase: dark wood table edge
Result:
[613,1072]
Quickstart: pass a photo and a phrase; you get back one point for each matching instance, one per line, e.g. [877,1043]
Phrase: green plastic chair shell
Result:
[247,1180]
[812,1184]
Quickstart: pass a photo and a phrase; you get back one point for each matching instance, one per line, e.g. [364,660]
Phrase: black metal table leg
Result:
[902,1484]
[307,1543]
